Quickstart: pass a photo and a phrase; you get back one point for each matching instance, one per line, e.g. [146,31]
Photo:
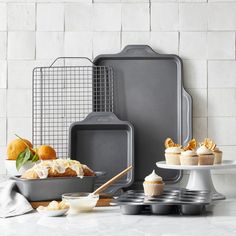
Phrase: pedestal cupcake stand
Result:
[200,176]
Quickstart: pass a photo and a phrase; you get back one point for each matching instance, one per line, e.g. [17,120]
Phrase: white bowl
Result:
[80,202]
[11,167]
[52,213]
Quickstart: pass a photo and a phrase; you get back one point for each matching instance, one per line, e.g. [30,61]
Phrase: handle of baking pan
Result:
[138,50]
[70,58]
[187,108]
[101,117]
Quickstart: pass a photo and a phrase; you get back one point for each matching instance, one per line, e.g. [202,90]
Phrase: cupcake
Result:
[218,156]
[189,158]
[153,185]
[172,152]
[205,156]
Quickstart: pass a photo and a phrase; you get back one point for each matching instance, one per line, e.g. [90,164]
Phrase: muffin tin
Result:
[172,201]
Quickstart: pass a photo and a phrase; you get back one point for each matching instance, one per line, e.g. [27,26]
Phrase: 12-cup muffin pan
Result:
[172,201]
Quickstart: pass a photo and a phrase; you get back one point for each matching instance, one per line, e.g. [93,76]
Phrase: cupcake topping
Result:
[153,177]
[189,153]
[175,150]
[170,143]
[192,144]
[203,150]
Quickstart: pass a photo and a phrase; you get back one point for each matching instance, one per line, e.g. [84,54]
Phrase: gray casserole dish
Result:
[53,188]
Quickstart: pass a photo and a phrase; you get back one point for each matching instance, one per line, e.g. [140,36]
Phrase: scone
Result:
[218,156]
[205,156]
[189,158]
[153,185]
[172,152]
[57,168]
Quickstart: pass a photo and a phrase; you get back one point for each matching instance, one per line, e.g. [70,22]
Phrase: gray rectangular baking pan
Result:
[53,188]
[172,201]
[148,92]
[104,142]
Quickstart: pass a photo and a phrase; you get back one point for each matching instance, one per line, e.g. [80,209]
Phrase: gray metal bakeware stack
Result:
[172,201]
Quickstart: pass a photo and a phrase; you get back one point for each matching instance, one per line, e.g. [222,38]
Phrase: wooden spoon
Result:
[111,181]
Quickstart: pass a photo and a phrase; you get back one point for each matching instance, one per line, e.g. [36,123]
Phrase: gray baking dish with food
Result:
[172,201]
[52,188]
[104,142]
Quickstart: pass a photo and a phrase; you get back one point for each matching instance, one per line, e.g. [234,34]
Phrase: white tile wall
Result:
[34,33]
[21,16]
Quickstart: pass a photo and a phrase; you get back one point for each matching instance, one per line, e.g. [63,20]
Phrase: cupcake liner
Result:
[189,160]
[206,159]
[218,157]
[153,189]
[172,159]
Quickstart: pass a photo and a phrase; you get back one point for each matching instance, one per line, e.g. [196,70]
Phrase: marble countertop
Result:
[220,220]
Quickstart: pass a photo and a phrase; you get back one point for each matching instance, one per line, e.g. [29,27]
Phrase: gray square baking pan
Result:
[104,142]
[148,92]
[53,188]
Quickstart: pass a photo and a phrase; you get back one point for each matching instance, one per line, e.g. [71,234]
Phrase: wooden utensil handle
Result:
[112,180]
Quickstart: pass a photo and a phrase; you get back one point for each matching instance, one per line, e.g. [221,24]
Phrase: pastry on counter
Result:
[172,152]
[205,156]
[57,168]
[153,185]
[188,155]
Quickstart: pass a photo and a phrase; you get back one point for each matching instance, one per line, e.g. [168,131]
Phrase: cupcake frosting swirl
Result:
[189,153]
[153,177]
[173,150]
[203,151]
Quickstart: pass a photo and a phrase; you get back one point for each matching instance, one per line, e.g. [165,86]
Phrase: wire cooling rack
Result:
[64,94]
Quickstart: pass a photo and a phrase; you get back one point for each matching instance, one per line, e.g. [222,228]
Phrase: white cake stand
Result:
[200,176]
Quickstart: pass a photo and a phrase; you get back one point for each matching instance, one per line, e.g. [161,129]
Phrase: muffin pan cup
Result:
[173,201]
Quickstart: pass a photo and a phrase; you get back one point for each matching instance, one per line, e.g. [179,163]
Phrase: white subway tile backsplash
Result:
[50,17]
[20,74]
[165,42]
[106,42]
[229,152]
[195,73]
[20,126]
[3,45]
[222,74]
[221,45]
[200,128]
[3,127]
[3,74]
[106,17]
[221,16]
[19,103]
[222,102]
[3,102]
[135,17]
[193,45]
[193,17]
[222,130]
[135,38]
[21,16]
[78,43]
[3,16]
[164,17]
[199,97]
[78,17]
[21,45]
[49,45]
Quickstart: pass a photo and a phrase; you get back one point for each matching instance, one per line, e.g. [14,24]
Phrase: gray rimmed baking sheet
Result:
[148,92]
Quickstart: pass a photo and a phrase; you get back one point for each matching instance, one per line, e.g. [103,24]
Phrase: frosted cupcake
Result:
[218,156]
[172,155]
[153,185]
[189,158]
[205,156]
